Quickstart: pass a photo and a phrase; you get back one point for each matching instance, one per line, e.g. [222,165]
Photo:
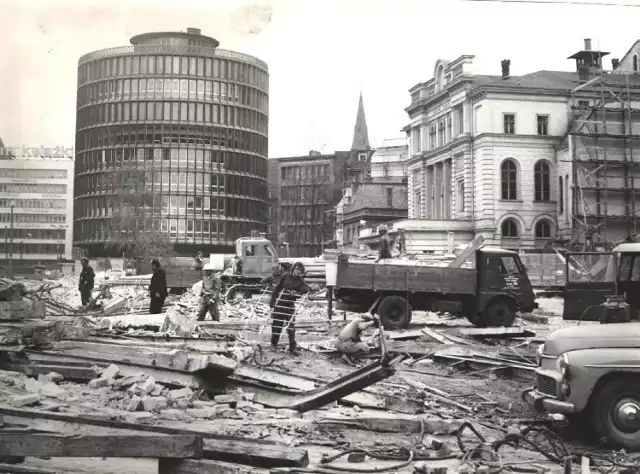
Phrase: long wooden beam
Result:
[117,446]
[257,453]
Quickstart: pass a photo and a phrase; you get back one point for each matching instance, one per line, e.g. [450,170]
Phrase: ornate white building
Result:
[483,153]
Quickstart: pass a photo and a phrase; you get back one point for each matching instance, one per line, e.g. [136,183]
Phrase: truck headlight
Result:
[539,355]
[563,365]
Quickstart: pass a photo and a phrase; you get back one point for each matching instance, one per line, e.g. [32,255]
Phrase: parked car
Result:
[591,374]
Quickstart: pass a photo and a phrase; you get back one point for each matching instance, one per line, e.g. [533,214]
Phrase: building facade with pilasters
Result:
[482,155]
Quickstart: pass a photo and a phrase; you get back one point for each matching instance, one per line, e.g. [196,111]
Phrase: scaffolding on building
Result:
[604,161]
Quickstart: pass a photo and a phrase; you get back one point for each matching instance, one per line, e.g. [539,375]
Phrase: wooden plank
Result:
[260,455]
[404,335]
[199,345]
[365,398]
[137,446]
[20,469]
[436,335]
[21,310]
[395,424]
[469,250]
[497,332]
[517,371]
[204,466]
[257,453]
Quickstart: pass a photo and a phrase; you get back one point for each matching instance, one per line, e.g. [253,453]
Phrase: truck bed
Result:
[406,277]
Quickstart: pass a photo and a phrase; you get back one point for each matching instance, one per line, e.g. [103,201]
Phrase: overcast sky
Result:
[320,53]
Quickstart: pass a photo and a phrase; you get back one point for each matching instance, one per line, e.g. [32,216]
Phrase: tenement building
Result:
[484,155]
[36,208]
[176,117]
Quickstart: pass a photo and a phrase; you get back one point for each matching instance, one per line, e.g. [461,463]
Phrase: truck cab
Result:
[257,255]
[594,276]
[502,281]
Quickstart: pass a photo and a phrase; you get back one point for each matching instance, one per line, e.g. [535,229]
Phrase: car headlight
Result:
[563,365]
[539,355]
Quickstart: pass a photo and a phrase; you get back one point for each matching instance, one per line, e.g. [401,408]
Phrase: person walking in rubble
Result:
[157,288]
[210,293]
[385,244]
[87,281]
[349,342]
[288,289]
[198,262]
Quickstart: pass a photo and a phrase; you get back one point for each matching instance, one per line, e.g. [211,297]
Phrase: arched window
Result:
[510,229]
[543,229]
[561,194]
[542,181]
[509,173]
[635,62]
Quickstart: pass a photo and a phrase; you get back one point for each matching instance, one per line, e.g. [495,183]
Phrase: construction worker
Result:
[288,289]
[157,288]
[87,281]
[236,265]
[198,262]
[210,293]
[349,342]
[276,272]
[385,244]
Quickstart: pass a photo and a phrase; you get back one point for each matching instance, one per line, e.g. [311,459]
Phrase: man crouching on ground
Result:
[349,342]
[210,294]
[288,289]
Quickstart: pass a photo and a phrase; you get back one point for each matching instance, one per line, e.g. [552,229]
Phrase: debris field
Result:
[115,389]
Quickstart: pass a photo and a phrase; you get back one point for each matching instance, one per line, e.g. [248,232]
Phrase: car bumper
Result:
[544,404]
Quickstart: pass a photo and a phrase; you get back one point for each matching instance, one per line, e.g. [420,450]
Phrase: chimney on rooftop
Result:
[615,63]
[193,31]
[505,68]
[587,44]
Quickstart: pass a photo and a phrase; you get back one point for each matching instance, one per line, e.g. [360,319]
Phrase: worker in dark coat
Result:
[276,273]
[157,288]
[288,289]
[87,281]
[385,244]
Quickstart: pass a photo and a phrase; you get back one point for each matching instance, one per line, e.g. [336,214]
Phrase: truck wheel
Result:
[616,413]
[395,313]
[499,313]
[476,319]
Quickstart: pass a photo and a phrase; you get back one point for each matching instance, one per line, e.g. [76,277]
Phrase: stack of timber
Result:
[27,434]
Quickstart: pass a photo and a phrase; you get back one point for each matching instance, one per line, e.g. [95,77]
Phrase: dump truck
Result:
[488,293]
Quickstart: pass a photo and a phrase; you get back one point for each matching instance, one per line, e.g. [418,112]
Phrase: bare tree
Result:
[134,224]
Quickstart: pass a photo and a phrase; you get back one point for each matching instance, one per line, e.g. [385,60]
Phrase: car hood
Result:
[593,336]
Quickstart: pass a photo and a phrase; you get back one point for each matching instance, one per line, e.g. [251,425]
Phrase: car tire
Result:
[611,399]
[395,313]
[500,312]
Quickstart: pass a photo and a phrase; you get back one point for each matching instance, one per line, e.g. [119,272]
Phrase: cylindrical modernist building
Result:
[186,122]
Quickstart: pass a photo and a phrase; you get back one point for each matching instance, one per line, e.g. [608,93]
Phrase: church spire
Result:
[360,132]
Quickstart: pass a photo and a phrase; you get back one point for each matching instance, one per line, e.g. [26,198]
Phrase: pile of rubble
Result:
[182,396]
